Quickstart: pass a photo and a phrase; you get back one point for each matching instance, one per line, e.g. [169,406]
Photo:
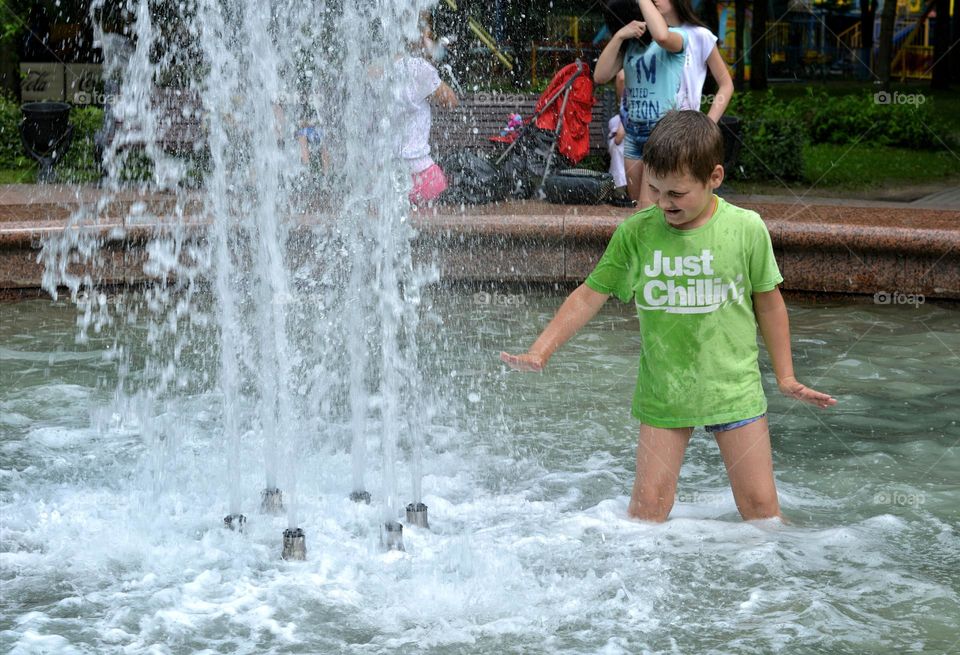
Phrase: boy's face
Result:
[686,202]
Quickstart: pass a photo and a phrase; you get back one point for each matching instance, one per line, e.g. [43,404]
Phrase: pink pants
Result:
[427,185]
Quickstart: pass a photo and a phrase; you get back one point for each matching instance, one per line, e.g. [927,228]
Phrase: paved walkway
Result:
[946,199]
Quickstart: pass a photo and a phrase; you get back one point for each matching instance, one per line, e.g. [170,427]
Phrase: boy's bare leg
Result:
[747,455]
[659,456]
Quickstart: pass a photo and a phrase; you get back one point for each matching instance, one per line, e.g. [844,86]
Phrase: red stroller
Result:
[559,126]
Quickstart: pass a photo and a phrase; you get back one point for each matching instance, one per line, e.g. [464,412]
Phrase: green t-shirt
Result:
[693,290]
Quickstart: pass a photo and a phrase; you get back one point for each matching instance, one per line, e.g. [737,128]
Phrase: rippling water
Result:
[112,542]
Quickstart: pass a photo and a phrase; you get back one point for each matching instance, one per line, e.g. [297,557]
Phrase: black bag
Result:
[472,179]
[527,160]
[578,186]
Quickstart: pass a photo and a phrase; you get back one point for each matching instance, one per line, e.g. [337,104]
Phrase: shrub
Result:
[77,165]
[851,119]
[11,151]
[772,149]
[862,119]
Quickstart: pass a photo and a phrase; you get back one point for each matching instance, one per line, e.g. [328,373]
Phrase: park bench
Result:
[482,115]
[180,129]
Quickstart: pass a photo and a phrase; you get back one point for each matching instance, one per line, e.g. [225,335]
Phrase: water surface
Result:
[111,511]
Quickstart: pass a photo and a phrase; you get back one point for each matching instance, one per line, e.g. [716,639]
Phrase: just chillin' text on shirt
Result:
[692,286]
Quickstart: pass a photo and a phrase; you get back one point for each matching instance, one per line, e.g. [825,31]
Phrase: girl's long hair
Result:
[686,14]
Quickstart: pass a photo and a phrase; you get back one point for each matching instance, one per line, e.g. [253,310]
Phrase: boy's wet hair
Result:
[684,142]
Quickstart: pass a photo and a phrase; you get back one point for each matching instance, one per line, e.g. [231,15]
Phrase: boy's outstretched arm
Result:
[774,325]
[579,307]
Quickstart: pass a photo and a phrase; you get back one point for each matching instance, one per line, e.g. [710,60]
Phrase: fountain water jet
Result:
[294,545]
[417,515]
[238,259]
[391,536]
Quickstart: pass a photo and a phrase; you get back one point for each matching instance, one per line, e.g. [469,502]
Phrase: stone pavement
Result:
[946,199]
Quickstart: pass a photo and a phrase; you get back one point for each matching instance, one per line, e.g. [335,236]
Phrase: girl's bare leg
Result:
[659,456]
[634,170]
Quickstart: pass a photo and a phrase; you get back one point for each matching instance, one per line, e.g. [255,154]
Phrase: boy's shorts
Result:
[428,185]
[723,427]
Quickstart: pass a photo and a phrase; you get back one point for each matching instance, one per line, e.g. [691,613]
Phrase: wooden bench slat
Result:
[482,115]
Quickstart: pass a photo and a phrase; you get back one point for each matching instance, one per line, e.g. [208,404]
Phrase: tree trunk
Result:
[708,13]
[868,13]
[941,47]
[9,72]
[955,53]
[885,53]
[740,26]
[758,46]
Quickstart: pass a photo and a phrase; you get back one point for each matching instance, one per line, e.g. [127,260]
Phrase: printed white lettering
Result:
[688,289]
[649,298]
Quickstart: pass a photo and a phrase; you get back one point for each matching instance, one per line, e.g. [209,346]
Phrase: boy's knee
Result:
[753,506]
[652,504]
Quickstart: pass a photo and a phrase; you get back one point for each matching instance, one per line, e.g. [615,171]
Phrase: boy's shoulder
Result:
[747,217]
[646,219]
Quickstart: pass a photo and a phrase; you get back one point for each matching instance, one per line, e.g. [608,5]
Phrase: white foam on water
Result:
[108,548]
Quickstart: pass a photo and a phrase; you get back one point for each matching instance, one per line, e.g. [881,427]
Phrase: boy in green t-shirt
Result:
[703,276]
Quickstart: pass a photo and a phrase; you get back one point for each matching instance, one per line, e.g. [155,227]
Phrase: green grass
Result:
[18,175]
[869,167]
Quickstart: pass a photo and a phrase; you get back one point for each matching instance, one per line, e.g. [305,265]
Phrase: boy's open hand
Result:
[524,362]
[791,388]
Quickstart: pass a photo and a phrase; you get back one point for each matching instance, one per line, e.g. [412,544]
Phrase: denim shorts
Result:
[723,427]
[636,135]
[633,147]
